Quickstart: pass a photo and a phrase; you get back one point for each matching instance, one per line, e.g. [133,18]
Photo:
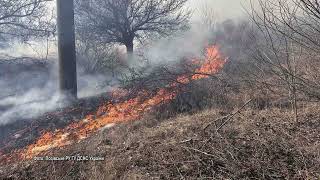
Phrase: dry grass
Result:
[254,145]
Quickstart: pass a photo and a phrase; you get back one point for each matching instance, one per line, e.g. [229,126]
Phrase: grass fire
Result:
[129,110]
[175,89]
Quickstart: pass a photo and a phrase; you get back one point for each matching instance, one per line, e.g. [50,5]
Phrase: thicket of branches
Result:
[24,19]
[274,56]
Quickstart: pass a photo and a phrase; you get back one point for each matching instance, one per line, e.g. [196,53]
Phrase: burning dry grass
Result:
[119,111]
[255,145]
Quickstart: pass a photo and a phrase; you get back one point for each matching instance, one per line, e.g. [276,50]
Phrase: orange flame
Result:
[131,109]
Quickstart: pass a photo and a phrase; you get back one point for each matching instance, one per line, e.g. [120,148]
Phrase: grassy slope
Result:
[256,145]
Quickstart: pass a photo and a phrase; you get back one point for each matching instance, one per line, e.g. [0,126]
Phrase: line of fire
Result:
[119,110]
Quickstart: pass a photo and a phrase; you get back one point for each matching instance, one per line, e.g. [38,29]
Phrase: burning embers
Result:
[131,109]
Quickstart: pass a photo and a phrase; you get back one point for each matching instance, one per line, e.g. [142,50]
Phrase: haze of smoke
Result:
[170,50]
[30,91]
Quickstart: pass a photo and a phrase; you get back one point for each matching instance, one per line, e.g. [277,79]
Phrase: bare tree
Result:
[289,35]
[208,17]
[23,18]
[123,21]
[95,57]
[296,19]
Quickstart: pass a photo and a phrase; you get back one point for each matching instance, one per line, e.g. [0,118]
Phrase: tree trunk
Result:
[129,46]
[294,93]
[66,48]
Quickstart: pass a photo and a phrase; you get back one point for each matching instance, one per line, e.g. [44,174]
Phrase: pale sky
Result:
[223,8]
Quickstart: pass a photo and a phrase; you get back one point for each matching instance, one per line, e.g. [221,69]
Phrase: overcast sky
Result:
[222,8]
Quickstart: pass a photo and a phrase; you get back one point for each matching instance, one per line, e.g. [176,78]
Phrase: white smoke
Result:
[29,91]
[29,105]
[172,49]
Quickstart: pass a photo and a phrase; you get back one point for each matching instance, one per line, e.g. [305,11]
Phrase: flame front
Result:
[131,109]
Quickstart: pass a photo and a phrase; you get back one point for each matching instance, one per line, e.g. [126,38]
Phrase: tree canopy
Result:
[23,18]
[123,21]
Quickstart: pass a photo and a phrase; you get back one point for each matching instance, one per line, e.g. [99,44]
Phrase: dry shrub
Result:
[197,96]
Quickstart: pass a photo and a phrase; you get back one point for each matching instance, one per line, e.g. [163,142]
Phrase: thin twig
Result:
[233,114]
[227,117]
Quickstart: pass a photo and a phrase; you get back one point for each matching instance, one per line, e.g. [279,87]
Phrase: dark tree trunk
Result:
[66,48]
[129,45]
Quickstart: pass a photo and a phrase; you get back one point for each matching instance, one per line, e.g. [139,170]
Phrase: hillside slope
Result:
[253,145]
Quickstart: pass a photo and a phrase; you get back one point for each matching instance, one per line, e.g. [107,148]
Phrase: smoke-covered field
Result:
[29,88]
